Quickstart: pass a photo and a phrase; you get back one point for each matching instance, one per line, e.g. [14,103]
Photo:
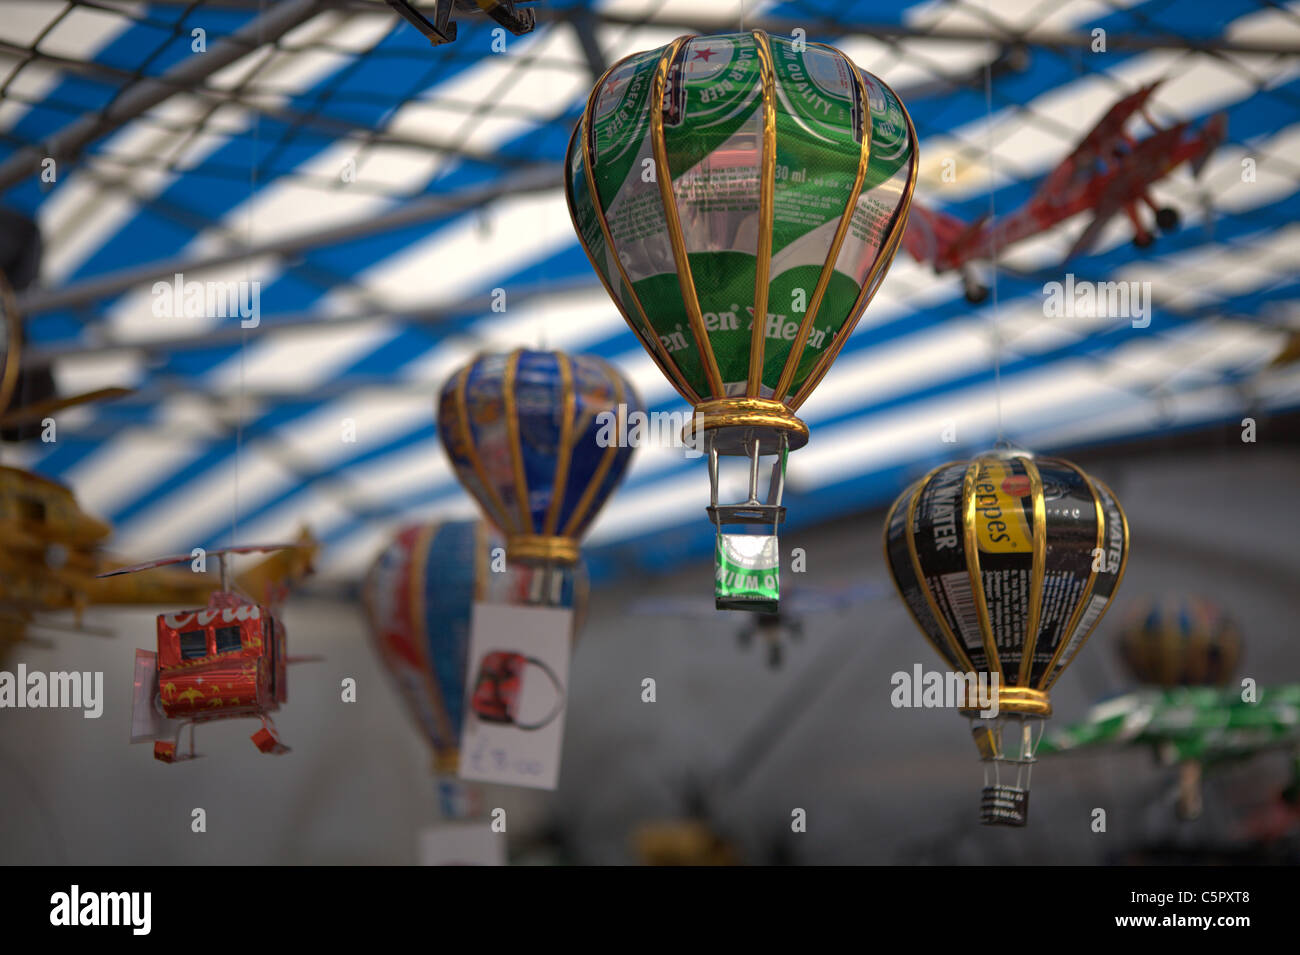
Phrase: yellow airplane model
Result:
[50,555]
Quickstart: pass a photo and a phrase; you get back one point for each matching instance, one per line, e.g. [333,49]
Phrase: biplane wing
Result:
[1207,724]
[1100,218]
[42,409]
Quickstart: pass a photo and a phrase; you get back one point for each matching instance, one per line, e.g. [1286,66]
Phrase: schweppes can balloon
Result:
[741,198]
[1007,564]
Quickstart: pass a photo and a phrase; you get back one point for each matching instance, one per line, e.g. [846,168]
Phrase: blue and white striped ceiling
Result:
[241,432]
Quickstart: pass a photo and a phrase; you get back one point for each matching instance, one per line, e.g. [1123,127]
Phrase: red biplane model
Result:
[223,661]
[1109,172]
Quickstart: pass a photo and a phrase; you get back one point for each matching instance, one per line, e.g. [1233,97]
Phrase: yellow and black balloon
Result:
[1007,563]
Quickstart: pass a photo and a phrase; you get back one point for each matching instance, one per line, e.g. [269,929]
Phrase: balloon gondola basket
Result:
[1007,743]
[542,579]
[747,553]
[458,799]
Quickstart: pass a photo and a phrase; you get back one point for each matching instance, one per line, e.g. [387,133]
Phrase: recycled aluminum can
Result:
[691,178]
[1007,564]
[748,572]
[419,597]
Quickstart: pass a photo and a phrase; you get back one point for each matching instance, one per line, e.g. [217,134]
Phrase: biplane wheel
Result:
[1143,240]
[1168,218]
[976,294]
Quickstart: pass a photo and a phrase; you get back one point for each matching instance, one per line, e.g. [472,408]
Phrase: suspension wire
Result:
[990,166]
[243,328]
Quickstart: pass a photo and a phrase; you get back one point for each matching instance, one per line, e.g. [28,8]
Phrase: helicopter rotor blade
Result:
[186,558]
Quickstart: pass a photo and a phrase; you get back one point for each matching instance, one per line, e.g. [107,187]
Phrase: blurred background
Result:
[380,189]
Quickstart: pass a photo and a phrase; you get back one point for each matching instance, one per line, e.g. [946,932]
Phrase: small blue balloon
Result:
[530,436]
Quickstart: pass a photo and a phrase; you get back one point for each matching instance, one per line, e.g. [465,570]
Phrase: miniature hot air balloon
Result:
[1007,563]
[741,198]
[1184,650]
[419,596]
[1180,641]
[528,435]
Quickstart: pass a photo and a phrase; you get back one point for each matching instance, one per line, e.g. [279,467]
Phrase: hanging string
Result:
[243,329]
[990,165]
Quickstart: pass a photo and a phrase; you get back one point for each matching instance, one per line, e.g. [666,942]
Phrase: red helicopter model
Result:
[227,660]
[1109,171]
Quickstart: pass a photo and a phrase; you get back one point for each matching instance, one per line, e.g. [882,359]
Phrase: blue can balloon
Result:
[419,597]
[529,436]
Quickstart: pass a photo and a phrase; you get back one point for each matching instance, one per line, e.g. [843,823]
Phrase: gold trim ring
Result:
[446,762]
[542,548]
[1018,699]
[738,419]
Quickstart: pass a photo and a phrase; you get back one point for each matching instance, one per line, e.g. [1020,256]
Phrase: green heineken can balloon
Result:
[741,198]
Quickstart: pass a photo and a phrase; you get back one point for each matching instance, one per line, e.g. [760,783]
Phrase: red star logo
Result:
[1017,485]
[704,54]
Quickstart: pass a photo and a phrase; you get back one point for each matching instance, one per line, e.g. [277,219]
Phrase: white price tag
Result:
[516,688]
